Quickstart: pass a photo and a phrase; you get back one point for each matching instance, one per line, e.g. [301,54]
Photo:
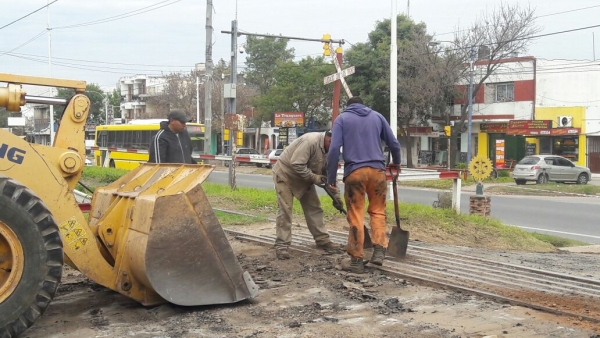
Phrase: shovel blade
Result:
[398,244]
[367,243]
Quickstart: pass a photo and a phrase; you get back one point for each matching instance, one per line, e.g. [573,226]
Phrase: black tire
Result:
[494,175]
[37,233]
[542,179]
[259,165]
[520,182]
[582,178]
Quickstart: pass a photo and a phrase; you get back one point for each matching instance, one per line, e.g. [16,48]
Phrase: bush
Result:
[461,165]
[104,175]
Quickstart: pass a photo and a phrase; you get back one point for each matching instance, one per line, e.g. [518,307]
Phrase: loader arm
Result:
[52,172]
[152,235]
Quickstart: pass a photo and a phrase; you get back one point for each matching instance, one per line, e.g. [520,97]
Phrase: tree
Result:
[299,87]
[262,60]
[3,118]
[371,80]
[264,55]
[422,77]
[114,102]
[179,92]
[500,34]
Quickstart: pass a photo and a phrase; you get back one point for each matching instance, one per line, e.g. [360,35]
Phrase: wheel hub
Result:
[11,261]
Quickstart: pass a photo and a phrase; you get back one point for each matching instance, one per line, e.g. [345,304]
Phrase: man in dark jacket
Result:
[360,131]
[172,143]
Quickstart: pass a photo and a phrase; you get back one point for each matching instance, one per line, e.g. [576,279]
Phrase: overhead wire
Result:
[23,17]
[541,16]
[122,16]
[24,44]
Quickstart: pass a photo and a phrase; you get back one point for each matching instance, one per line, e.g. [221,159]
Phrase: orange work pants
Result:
[373,183]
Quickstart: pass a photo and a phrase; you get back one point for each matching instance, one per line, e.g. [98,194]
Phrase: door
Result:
[564,169]
[594,154]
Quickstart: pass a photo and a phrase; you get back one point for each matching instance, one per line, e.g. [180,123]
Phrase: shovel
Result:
[398,243]
[367,244]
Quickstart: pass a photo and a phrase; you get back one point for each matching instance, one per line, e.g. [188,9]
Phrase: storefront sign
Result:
[499,154]
[530,149]
[295,119]
[530,124]
[544,132]
[496,127]
[421,131]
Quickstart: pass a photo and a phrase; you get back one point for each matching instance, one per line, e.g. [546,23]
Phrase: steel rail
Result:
[418,268]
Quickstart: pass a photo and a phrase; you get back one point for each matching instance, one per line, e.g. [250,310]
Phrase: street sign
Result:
[337,76]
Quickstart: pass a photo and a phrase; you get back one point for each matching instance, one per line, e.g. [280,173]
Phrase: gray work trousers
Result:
[311,205]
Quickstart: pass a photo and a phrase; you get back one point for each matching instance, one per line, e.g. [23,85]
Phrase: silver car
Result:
[549,168]
[273,154]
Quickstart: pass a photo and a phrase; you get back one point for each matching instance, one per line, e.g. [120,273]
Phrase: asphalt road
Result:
[569,217]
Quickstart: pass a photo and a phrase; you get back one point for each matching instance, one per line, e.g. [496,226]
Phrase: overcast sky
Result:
[172,37]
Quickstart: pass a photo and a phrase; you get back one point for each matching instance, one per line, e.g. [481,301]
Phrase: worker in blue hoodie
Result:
[360,130]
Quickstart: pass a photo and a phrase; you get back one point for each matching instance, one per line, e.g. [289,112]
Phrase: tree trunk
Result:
[259,137]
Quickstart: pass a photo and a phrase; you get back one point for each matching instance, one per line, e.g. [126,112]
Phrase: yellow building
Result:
[555,130]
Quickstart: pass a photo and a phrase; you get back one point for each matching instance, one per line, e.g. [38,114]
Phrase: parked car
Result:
[549,168]
[248,152]
[273,154]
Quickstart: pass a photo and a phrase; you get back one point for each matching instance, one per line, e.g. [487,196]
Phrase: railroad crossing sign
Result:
[334,77]
[340,74]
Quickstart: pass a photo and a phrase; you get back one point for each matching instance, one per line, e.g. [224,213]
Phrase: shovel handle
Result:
[395,172]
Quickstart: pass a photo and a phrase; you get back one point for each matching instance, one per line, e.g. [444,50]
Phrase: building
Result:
[41,124]
[134,92]
[532,106]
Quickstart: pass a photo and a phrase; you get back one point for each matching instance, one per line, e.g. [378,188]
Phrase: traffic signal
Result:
[448,130]
[326,51]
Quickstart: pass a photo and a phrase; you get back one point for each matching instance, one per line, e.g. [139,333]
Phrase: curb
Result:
[561,192]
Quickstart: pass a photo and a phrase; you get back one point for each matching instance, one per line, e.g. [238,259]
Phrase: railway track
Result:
[542,290]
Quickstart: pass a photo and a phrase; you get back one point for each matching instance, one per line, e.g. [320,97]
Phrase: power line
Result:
[23,17]
[25,43]
[122,16]
[541,16]
[102,62]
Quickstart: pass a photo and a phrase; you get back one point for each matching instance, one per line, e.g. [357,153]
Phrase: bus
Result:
[125,146]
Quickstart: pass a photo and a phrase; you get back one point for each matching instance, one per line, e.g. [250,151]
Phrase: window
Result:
[529,160]
[505,92]
[562,162]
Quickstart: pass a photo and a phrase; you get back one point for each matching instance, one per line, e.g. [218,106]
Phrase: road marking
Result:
[558,232]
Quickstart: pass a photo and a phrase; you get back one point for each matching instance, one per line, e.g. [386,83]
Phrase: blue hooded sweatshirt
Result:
[360,130]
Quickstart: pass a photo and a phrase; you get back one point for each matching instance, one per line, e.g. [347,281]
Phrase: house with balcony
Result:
[134,93]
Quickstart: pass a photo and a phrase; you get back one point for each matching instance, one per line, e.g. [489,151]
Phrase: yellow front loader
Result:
[151,236]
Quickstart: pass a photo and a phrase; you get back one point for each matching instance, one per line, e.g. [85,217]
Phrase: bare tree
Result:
[506,31]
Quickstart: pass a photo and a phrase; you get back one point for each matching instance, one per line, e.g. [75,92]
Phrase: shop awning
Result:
[544,132]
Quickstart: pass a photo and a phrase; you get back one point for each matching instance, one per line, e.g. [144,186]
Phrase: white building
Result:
[134,91]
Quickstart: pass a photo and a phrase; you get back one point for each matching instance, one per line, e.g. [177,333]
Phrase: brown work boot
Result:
[354,265]
[378,255]
[330,248]
[282,253]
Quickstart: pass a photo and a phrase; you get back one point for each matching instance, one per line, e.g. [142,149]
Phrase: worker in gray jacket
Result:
[299,168]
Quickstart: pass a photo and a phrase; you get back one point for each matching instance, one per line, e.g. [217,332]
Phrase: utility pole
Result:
[469,125]
[50,69]
[208,81]
[232,105]
[394,71]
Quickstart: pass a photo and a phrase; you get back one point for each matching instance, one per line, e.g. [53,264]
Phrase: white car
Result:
[273,154]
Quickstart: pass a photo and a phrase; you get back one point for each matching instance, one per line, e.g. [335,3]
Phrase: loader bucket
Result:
[172,242]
